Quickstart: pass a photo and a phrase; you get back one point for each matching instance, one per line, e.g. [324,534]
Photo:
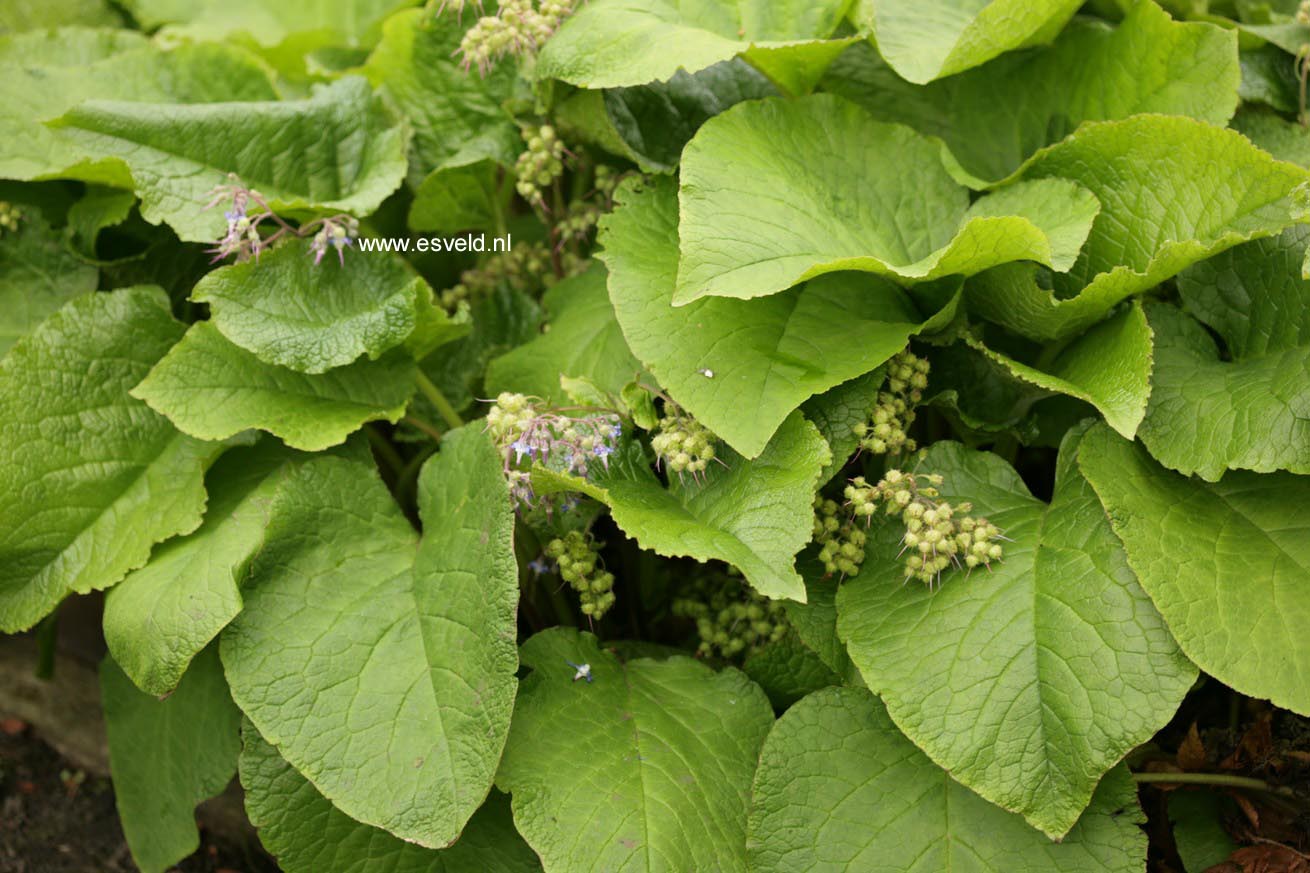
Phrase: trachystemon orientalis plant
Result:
[556,437]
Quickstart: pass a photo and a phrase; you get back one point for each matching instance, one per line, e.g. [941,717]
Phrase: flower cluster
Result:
[248,211]
[731,619]
[937,534]
[584,214]
[525,268]
[9,217]
[682,443]
[841,541]
[540,164]
[527,432]
[518,28]
[887,430]
[576,556]
[336,232]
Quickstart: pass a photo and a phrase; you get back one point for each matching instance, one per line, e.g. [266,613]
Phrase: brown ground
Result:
[52,823]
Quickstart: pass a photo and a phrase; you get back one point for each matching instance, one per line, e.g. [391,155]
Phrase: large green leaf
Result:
[456,116]
[38,274]
[1208,415]
[774,192]
[839,788]
[769,355]
[1250,409]
[614,43]
[654,122]
[45,73]
[90,478]
[788,669]
[307,834]
[839,411]
[1226,563]
[815,620]
[304,24]
[384,674]
[928,39]
[1253,295]
[646,767]
[350,152]
[311,318]
[160,616]
[583,340]
[753,514]
[1285,140]
[1093,72]
[1168,163]
[168,755]
[213,389]
[1108,367]
[20,15]
[460,198]
[1028,682]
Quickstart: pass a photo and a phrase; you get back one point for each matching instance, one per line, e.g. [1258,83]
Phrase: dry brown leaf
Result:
[1191,752]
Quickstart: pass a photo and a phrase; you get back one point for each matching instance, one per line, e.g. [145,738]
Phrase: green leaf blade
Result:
[312,317]
[213,389]
[672,743]
[772,353]
[166,756]
[765,203]
[1168,162]
[352,152]
[1030,681]
[110,477]
[839,788]
[385,674]
[1225,562]
[307,834]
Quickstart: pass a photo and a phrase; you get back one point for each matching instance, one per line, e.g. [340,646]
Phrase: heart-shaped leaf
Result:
[1030,681]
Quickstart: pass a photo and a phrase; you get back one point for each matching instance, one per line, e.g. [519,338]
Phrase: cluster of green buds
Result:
[9,217]
[583,214]
[681,443]
[526,267]
[540,164]
[841,541]
[1303,13]
[518,28]
[577,555]
[731,619]
[937,533]
[887,431]
[526,431]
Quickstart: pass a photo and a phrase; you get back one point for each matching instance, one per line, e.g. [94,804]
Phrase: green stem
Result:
[385,450]
[558,602]
[424,426]
[433,393]
[45,646]
[1221,779]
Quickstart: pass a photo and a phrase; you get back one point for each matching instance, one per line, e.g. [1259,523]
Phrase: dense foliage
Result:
[884,445]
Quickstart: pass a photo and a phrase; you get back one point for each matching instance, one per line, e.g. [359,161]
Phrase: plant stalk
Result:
[433,393]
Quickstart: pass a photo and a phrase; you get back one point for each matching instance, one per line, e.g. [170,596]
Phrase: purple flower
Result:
[522,448]
[603,450]
[616,431]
